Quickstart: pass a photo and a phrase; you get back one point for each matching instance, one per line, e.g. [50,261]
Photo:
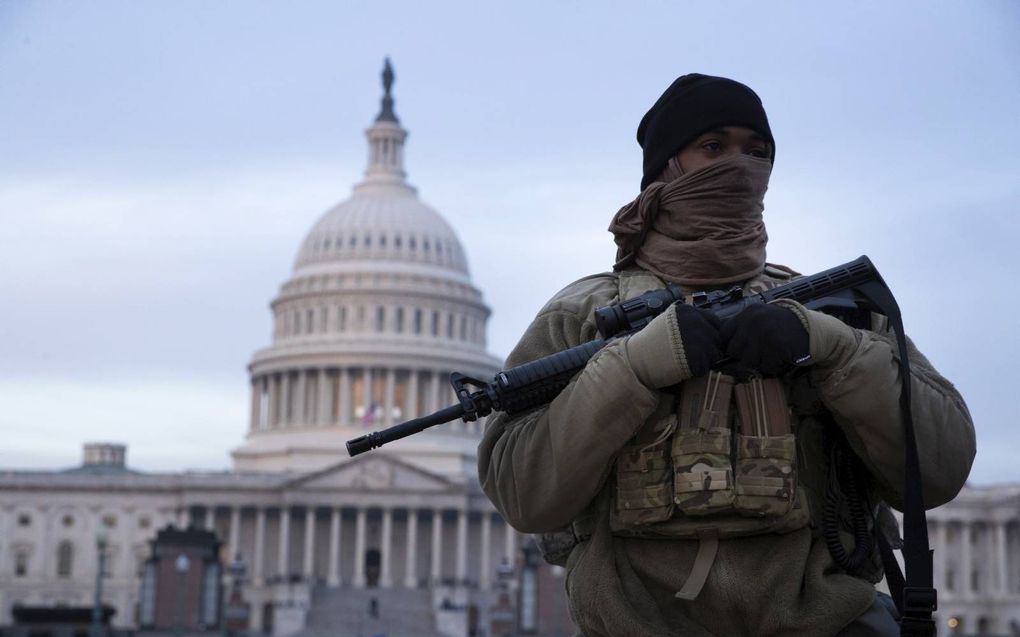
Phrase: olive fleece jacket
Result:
[544,468]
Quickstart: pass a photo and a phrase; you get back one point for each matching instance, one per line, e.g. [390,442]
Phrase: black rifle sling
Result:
[915,595]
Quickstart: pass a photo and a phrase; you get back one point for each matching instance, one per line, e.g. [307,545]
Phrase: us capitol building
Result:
[378,311]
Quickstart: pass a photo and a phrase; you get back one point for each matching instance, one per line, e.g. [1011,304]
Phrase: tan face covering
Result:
[702,228]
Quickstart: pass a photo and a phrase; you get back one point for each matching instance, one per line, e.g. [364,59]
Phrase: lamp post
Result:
[96,628]
[181,565]
[232,611]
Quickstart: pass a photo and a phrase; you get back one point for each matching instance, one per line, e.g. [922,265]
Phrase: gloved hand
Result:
[678,344]
[766,338]
[699,331]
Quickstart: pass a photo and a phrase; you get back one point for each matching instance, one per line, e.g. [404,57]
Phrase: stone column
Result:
[310,543]
[359,550]
[301,400]
[411,410]
[325,411]
[210,518]
[385,574]
[333,575]
[185,520]
[275,413]
[256,402]
[283,554]
[411,554]
[462,545]
[1001,560]
[367,375]
[437,546]
[510,543]
[285,400]
[437,384]
[939,561]
[344,408]
[391,381]
[234,534]
[257,570]
[965,564]
[485,566]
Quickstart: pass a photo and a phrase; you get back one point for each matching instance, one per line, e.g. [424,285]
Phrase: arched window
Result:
[400,320]
[65,559]
[380,319]
[417,321]
[342,318]
[435,324]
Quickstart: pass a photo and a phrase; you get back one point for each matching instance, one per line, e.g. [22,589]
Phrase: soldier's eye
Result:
[712,146]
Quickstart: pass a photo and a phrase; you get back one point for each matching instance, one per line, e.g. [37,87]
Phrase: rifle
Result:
[844,290]
[849,291]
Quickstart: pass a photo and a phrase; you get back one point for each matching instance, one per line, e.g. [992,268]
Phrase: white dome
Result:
[379,310]
[384,222]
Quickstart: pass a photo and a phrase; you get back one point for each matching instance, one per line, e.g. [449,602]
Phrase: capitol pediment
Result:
[375,473]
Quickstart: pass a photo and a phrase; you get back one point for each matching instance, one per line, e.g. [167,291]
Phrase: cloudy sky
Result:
[161,161]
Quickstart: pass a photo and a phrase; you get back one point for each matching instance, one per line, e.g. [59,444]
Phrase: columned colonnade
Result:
[329,396]
[415,547]
[976,559]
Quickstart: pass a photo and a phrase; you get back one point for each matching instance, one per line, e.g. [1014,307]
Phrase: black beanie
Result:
[693,104]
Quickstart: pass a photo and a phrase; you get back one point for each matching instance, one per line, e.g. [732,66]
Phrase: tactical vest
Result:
[718,459]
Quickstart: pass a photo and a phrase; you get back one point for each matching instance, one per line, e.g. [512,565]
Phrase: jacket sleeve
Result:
[542,468]
[858,377]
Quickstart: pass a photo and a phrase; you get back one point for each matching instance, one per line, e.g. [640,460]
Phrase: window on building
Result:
[417,321]
[380,319]
[323,318]
[396,241]
[411,243]
[425,244]
[361,316]
[463,327]
[435,324]
[975,581]
[65,559]
[950,580]
[449,326]
[67,521]
[368,241]
[400,320]
[20,562]
[144,522]
[24,520]
[382,241]
[342,318]
[354,241]
[297,322]
[110,521]
[309,316]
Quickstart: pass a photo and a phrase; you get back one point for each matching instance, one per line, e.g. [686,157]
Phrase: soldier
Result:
[718,479]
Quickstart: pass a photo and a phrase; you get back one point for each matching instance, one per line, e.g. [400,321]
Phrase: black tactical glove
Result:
[766,338]
[699,331]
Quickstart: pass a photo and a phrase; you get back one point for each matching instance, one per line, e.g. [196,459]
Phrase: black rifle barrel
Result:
[375,439]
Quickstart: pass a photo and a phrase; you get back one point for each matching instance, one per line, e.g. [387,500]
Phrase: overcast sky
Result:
[160,163]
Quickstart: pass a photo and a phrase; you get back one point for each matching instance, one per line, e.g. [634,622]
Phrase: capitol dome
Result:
[379,310]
